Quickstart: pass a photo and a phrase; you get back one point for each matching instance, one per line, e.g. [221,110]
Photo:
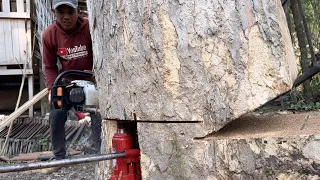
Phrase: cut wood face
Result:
[250,127]
[246,148]
[192,61]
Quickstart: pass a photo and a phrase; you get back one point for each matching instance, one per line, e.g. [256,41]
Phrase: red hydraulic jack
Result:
[128,167]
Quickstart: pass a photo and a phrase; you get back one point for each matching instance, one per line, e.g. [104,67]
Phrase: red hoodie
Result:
[74,50]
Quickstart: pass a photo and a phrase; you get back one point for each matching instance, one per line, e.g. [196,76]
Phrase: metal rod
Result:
[63,162]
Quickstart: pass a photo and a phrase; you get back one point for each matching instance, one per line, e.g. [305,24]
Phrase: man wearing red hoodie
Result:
[68,41]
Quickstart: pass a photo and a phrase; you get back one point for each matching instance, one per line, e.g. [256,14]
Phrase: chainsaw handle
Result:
[71,72]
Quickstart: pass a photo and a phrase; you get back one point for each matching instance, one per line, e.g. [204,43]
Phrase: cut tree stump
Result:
[252,147]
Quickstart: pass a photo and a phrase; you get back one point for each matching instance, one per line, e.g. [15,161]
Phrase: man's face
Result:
[67,17]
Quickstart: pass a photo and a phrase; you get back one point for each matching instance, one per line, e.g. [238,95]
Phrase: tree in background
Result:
[302,42]
[303,18]
[312,14]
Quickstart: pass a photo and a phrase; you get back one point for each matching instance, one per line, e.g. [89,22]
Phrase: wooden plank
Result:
[2,44]
[30,92]
[3,67]
[10,72]
[20,6]
[15,40]
[17,15]
[29,65]
[29,44]
[22,41]
[8,41]
[5,6]
[9,64]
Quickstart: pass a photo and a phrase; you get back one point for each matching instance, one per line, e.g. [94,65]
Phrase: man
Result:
[67,40]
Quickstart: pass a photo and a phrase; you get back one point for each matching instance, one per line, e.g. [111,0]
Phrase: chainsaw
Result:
[77,94]
[80,95]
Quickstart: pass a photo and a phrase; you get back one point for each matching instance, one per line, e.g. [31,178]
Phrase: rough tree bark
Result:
[191,61]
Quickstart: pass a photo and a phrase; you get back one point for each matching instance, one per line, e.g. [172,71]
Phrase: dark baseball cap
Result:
[72,3]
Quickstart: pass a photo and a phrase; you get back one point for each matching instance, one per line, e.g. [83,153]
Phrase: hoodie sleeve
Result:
[50,61]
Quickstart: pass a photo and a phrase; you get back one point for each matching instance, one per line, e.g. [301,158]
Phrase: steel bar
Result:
[64,162]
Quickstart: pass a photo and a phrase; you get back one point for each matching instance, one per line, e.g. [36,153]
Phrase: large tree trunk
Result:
[190,61]
[187,61]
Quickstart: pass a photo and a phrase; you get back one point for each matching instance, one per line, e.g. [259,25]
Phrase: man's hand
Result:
[83,117]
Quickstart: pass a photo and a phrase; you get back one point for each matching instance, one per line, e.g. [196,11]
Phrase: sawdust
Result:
[255,125]
[76,172]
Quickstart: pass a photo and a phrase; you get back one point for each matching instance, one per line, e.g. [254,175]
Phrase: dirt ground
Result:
[76,172]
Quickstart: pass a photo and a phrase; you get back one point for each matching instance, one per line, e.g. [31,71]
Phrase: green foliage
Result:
[294,100]
[315,83]
[301,105]
[291,101]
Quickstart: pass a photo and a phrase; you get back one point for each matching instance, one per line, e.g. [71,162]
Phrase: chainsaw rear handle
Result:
[71,72]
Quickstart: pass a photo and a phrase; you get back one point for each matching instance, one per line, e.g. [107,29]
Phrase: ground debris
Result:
[75,172]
